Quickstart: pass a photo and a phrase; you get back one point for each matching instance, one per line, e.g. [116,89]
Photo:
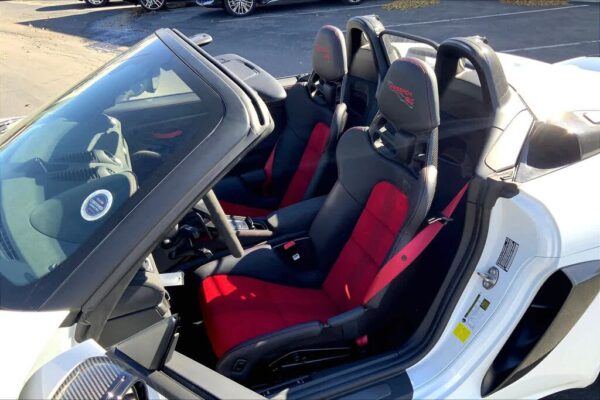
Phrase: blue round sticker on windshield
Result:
[96,205]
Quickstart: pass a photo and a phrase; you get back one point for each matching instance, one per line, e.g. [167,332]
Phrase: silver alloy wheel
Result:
[96,2]
[240,7]
[152,5]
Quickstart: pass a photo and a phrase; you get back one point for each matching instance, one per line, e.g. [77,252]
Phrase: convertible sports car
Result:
[408,220]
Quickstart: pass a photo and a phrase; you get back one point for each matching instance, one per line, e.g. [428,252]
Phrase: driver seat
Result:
[387,177]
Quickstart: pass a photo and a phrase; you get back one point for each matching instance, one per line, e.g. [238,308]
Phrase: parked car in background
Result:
[6,122]
[150,5]
[241,8]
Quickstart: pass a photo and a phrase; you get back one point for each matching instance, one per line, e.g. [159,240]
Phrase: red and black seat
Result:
[261,307]
[301,165]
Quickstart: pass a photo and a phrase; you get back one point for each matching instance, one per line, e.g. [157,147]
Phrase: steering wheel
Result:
[223,226]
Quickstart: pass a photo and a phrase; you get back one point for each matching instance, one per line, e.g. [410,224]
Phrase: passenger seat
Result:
[302,163]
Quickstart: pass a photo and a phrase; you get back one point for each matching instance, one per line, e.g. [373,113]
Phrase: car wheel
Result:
[96,3]
[152,5]
[352,2]
[240,8]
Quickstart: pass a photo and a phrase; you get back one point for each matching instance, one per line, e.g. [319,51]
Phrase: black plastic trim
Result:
[150,347]
[584,279]
[485,61]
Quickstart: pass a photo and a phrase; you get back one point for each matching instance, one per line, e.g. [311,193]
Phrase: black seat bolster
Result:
[255,180]
[232,188]
[326,173]
[296,218]
[265,263]
[339,120]
[239,362]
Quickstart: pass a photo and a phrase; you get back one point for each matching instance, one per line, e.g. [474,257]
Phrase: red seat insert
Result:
[365,251]
[317,143]
[238,308]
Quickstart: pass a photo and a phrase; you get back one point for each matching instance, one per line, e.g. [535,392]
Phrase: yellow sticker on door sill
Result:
[462,332]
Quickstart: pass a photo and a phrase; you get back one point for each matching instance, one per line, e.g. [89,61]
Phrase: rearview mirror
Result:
[201,39]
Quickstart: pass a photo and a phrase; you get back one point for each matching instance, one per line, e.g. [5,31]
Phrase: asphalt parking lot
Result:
[280,38]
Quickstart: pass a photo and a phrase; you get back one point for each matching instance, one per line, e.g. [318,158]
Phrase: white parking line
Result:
[550,46]
[438,21]
[314,11]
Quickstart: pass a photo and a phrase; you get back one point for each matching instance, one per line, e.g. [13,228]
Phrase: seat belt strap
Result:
[268,168]
[404,258]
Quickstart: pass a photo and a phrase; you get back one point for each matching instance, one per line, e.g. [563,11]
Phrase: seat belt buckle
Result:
[290,248]
[442,219]
[362,341]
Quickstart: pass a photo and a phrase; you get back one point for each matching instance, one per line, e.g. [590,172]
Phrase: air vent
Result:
[7,251]
[87,157]
[82,157]
[80,174]
[525,348]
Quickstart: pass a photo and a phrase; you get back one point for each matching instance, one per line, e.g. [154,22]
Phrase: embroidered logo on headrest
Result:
[324,51]
[405,95]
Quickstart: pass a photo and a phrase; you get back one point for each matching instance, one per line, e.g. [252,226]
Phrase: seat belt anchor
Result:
[290,248]
[442,219]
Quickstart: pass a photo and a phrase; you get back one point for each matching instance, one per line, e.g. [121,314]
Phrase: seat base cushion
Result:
[237,308]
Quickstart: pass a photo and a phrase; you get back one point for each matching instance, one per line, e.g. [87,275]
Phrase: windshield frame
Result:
[96,269]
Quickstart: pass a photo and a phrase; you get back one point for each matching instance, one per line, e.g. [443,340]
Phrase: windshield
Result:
[399,46]
[77,167]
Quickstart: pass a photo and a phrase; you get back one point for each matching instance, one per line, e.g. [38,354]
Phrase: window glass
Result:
[397,46]
[167,83]
[505,151]
[77,165]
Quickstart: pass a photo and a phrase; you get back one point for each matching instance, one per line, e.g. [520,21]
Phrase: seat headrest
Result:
[408,97]
[329,54]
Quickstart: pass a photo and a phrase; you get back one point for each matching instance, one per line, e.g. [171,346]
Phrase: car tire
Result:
[152,5]
[352,2]
[239,8]
[96,3]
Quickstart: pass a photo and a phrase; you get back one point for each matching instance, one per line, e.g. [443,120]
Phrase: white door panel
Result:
[572,196]
[453,361]
[575,362]
[555,223]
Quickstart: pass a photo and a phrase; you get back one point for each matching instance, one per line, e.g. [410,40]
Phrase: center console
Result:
[196,237]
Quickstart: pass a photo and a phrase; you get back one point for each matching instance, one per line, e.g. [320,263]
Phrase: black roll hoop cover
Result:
[485,61]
